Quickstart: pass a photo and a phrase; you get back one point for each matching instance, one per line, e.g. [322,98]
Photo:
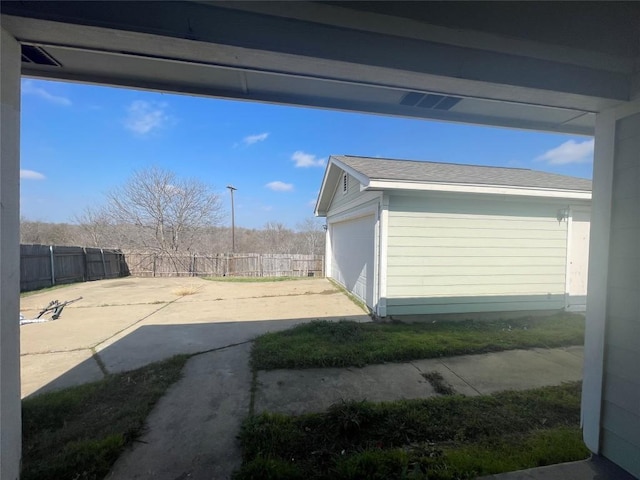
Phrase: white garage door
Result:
[352,247]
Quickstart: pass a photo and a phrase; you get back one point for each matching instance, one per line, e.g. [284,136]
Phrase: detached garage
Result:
[421,238]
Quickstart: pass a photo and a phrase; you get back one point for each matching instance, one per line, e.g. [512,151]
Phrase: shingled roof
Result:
[434,172]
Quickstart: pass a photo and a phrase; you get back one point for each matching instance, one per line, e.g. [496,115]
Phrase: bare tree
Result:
[312,233]
[167,211]
[277,238]
[94,223]
[47,233]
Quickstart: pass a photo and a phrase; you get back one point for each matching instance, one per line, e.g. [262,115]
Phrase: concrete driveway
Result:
[123,324]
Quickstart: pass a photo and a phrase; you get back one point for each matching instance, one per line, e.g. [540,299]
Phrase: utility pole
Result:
[233,220]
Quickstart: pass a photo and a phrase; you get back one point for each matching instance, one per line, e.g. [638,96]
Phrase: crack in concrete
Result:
[448,368]
[45,352]
[98,360]
[217,349]
[305,294]
[134,323]
[415,366]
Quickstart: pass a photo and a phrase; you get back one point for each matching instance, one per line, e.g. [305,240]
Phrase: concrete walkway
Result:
[309,390]
[191,433]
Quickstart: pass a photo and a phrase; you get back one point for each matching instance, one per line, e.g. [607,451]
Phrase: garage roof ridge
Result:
[434,162]
[415,171]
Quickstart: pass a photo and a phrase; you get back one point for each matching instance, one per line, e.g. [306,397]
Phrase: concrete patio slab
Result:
[117,291]
[53,371]
[81,327]
[144,344]
[200,308]
[132,322]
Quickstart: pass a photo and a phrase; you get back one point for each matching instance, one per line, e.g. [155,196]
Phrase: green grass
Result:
[79,432]
[442,438]
[255,279]
[346,343]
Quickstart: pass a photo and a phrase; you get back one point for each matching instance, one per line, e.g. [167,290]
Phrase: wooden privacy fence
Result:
[225,264]
[47,265]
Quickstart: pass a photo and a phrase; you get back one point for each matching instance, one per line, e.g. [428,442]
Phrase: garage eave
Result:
[332,175]
[478,189]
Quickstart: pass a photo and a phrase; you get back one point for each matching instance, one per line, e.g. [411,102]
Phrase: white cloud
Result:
[31,175]
[144,117]
[29,88]
[279,186]
[251,139]
[304,160]
[569,152]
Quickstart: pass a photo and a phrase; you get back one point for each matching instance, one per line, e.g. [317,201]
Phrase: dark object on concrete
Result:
[55,307]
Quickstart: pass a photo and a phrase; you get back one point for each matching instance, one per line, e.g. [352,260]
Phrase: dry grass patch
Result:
[185,290]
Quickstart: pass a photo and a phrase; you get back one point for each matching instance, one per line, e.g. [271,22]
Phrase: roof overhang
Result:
[330,180]
[477,189]
[335,168]
[408,59]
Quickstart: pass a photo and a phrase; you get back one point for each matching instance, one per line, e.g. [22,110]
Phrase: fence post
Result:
[85,269]
[53,268]
[104,265]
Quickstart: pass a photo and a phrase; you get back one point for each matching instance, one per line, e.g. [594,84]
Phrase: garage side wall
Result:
[464,255]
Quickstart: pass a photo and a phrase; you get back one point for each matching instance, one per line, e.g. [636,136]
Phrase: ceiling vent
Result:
[429,100]
[38,56]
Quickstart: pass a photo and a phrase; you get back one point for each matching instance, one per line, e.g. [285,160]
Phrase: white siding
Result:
[621,396]
[458,255]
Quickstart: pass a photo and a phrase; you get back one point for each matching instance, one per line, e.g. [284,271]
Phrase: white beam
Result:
[10,409]
[597,284]
[601,207]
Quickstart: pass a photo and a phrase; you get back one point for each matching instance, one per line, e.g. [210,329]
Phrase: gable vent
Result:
[37,55]
[430,100]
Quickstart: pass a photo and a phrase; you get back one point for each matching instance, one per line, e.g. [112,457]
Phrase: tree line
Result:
[156,211]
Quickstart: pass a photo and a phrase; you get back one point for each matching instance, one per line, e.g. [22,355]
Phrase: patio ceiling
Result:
[543,67]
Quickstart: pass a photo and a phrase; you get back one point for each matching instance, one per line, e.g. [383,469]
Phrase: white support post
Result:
[597,285]
[384,249]
[10,412]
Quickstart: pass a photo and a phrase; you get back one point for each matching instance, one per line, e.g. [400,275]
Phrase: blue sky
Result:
[80,141]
